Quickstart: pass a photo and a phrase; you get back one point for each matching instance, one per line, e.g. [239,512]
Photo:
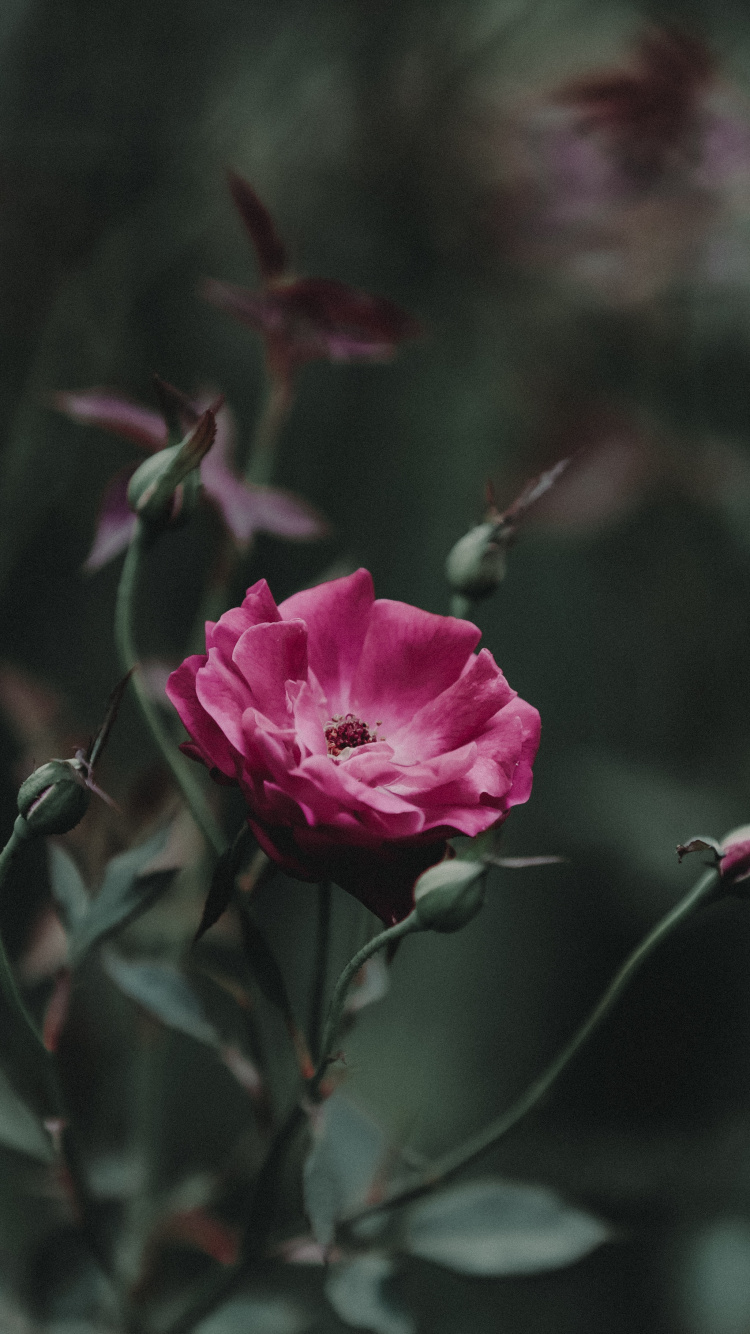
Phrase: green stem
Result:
[338,1000]
[8,988]
[279,399]
[320,969]
[465,1154]
[186,778]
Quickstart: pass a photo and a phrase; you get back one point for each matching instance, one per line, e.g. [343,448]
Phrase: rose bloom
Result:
[362,733]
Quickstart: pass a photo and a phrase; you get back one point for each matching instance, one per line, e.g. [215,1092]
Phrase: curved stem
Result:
[187,780]
[472,1148]
[338,1000]
[8,987]
[279,398]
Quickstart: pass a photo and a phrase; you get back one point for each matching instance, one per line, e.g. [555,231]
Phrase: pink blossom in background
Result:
[626,177]
[362,733]
[244,507]
[301,319]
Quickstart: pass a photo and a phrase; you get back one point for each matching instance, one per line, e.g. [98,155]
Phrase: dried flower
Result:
[362,733]
[302,319]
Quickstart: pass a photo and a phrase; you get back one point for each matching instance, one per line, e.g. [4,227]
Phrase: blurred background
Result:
[560,193]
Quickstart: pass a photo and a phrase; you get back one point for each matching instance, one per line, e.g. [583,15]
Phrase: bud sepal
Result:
[448,895]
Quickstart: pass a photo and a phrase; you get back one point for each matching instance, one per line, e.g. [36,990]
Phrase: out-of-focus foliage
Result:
[560,194]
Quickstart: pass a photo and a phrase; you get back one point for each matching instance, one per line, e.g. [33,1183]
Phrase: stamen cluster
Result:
[346,731]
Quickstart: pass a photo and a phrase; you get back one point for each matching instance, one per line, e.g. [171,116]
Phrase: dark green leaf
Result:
[260,1314]
[20,1128]
[358,1292]
[500,1227]
[348,1150]
[222,881]
[262,963]
[129,888]
[164,992]
[68,889]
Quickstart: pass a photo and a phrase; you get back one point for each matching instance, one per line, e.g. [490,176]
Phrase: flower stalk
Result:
[125,638]
[452,1162]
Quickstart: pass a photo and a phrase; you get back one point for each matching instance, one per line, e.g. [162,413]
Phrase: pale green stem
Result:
[187,780]
[455,1159]
[279,398]
[338,1000]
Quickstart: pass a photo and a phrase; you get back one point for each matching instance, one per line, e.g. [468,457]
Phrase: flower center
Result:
[345,732]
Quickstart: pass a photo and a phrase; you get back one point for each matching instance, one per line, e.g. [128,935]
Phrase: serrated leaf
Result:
[500,1227]
[20,1128]
[68,889]
[164,992]
[259,1314]
[348,1150]
[128,890]
[358,1292]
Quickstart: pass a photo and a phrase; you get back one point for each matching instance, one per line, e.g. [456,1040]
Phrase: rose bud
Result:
[55,798]
[448,895]
[476,565]
[167,484]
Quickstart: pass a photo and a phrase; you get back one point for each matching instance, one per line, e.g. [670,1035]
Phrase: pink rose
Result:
[363,734]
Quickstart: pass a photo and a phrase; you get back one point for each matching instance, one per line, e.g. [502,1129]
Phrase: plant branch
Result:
[124,635]
[464,1154]
[338,1000]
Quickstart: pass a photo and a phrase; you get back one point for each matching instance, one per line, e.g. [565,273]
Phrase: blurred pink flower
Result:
[620,176]
[302,319]
[245,508]
[363,734]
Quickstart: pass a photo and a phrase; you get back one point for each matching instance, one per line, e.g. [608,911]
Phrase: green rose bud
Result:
[448,895]
[166,485]
[55,798]
[476,565]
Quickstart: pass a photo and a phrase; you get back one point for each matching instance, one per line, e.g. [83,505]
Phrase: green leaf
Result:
[500,1227]
[129,888]
[348,1150]
[259,1314]
[20,1128]
[222,880]
[68,889]
[164,992]
[358,1292]
[262,962]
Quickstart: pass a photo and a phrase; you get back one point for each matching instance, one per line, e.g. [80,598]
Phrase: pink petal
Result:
[115,523]
[268,245]
[110,412]
[267,657]
[409,656]
[337,615]
[213,745]
[258,607]
[457,715]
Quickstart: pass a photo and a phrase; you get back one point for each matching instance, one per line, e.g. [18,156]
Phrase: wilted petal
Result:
[110,412]
[115,523]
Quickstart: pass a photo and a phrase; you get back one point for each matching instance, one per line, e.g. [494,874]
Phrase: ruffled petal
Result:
[337,615]
[258,608]
[267,657]
[409,656]
[457,714]
[213,744]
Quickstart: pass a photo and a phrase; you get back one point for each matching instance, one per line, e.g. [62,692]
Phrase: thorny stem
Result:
[464,1154]
[338,1000]
[186,779]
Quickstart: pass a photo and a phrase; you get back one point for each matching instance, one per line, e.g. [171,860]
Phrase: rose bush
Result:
[362,733]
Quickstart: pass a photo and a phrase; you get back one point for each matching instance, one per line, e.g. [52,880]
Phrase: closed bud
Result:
[448,895]
[155,508]
[55,798]
[476,565]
